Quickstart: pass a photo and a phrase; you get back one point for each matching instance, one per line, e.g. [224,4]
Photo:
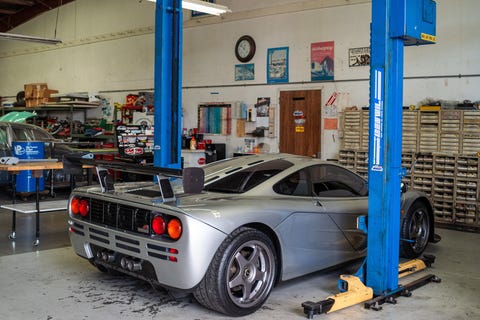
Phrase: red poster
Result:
[322,58]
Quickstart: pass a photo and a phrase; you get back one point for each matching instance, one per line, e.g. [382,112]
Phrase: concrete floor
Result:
[50,282]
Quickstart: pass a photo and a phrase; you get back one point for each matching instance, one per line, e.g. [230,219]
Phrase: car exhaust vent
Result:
[129,248]
[99,232]
[94,237]
[127,240]
[119,216]
[98,235]
[157,248]
[110,214]
[72,229]
[96,211]
[78,226]
[157,255]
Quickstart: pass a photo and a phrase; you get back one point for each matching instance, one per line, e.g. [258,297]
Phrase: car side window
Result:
[296,184]
[334,181]
[4,148]
[22,135]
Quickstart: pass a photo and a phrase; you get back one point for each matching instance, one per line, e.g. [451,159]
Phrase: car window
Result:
[296,184]
[22,134]
[4,147]
[248,178]
[39,134]
[335,181]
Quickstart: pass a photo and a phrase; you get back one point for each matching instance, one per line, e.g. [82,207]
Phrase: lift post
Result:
[168,84]
[395,24]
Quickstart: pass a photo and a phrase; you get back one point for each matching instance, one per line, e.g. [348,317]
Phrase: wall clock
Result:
[245,48]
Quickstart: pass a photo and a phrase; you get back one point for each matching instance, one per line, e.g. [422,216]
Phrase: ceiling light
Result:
[21,37]
[203,6]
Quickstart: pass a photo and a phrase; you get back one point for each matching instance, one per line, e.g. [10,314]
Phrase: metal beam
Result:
[29,13]
[168,84]
[19,2]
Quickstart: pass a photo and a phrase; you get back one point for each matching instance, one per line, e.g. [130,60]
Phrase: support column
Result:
[385,147]
[168,83]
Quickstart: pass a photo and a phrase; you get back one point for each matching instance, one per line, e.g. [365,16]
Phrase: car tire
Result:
[241,274]
[415,231]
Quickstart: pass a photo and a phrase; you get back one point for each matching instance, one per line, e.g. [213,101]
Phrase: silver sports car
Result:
[258,220]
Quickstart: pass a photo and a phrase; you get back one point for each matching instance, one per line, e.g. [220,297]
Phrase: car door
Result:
[344,196]
[312,236]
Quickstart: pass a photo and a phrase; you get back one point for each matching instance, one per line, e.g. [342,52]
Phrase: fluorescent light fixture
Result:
[21,37]
[203,6]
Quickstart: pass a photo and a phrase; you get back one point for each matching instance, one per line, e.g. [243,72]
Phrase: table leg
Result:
[13,234]
[37,174]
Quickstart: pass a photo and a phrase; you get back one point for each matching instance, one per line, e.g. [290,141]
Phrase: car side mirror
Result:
[403,187]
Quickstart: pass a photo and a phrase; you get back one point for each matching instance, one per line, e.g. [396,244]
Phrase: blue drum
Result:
[29,150]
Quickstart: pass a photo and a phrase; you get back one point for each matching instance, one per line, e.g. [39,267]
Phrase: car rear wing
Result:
[193,177]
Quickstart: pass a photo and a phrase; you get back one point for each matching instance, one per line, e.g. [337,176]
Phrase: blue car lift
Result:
[168,84]
[395,23]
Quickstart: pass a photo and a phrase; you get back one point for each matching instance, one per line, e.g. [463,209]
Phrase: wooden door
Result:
[297,137]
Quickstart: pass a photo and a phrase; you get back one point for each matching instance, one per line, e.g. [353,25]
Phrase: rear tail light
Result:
[75,206]
[174,229]
[158,225]
[165,225]
[84,208]
[80,206]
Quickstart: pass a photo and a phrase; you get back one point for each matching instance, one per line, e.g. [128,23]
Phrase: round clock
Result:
[245,49]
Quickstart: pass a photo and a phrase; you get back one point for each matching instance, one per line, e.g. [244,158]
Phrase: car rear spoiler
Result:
[193,177]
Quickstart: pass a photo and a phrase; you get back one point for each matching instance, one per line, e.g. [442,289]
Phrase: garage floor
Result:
[50,282]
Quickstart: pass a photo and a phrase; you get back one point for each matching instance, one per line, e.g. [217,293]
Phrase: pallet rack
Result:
[450,181]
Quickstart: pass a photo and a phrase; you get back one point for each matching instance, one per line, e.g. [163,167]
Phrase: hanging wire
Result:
[56,20]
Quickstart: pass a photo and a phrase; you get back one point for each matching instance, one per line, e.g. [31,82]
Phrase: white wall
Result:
[108,46]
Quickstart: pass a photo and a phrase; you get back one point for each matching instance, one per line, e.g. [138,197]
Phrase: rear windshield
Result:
[248,178]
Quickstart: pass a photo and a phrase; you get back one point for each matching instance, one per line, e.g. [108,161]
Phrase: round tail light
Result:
[174,229]
[84,208]
[158,225]
[75,206]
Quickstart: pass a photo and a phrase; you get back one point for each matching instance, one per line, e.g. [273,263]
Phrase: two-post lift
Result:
[395,24]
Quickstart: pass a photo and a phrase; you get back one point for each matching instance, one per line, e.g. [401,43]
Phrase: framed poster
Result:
[244,72]
[322,58]
[215,118]
[277,65]
[359,57]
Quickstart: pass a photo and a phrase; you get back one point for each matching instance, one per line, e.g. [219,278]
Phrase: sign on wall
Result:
[244,72]
[359,57]
[277,65]
[322,58]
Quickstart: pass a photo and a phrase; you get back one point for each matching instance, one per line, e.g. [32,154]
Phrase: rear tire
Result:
[415,231]
[241,274]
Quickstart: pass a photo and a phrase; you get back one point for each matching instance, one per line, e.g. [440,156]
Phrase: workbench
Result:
[37,168]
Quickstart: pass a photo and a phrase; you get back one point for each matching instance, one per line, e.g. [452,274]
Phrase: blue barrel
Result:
[29,150]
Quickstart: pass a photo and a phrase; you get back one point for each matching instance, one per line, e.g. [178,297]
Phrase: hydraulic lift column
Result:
[395,23]
[168,84]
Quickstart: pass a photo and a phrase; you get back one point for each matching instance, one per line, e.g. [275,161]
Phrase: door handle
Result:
[317,203]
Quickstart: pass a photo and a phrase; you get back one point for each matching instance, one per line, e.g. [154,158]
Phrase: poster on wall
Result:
[244,72]
[359,57]
[322,58]
[330,113]
[277,65]
[262,106]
